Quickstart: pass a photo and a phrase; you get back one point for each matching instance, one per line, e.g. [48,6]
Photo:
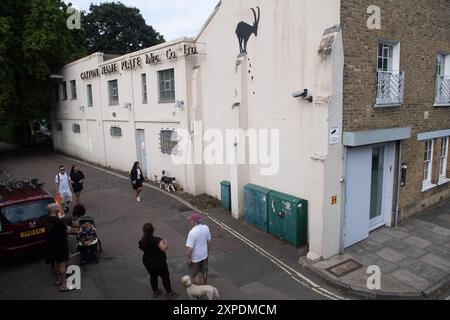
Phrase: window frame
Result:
[89,96]
[111,101]
[428,166]
[162,84]
[389,58]
[144,88]
[73,90]
[64,90]
[76,125]
[169,141]
[443,161]
[116,132]
[440,65]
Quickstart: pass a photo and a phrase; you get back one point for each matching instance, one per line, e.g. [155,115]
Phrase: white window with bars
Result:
[443,161]
[428,165]
[76,128]
[168,141]
[116,132]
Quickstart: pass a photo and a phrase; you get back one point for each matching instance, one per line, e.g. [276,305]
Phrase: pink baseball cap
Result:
[195,217]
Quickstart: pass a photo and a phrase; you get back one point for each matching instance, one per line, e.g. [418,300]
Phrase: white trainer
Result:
[138,199]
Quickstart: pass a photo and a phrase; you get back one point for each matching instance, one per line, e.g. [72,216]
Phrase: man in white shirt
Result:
[62,181]
[198,244]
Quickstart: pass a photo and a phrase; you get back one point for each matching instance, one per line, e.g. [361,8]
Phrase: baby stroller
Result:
[88,244]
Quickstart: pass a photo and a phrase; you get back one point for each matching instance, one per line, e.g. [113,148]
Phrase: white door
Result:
[369,190]
[142,151]
[357,195]
[377,186]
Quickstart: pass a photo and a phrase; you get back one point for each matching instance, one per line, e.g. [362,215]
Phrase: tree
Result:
[34,43]
[117,29]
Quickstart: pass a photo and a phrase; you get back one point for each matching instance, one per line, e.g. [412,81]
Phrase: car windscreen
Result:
[28,211]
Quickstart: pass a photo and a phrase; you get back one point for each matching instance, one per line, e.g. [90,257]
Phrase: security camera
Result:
[300,94]
[303,94]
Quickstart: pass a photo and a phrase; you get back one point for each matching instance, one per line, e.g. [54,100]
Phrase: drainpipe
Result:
[343,202]
[399,164]
[102,118]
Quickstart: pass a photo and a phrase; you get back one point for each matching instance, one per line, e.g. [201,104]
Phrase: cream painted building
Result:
[136,107]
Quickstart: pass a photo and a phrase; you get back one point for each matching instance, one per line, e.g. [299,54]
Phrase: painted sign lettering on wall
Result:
[152,58]
[245,30]
[90,74]
[131,64]
[189,50]
[110,68]
[135,63]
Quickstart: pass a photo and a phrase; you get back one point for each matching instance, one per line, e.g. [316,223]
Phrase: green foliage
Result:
[117,29]
[34,43]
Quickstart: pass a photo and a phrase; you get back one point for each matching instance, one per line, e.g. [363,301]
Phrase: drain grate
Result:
[344,268]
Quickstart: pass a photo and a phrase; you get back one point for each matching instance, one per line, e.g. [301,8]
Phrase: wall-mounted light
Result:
[179,104]
[303,94]
[127,106]
[82,108]
[404,172]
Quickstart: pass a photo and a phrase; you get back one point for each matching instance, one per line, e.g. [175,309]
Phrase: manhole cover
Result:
[344,268]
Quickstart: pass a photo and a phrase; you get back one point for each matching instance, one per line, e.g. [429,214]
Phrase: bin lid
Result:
[287,197]
[254,187]
[226,183]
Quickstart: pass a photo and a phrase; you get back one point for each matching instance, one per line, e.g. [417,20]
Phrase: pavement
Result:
[245,264]
[414,260]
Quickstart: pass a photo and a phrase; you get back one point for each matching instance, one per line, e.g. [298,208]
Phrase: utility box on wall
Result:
[255,206]
[288,218]
[225,187]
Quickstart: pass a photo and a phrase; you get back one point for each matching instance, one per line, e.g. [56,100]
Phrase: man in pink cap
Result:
[198,244]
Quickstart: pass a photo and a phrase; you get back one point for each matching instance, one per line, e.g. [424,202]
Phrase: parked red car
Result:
[23,212]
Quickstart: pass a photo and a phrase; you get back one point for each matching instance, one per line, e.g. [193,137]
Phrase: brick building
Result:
[398,77]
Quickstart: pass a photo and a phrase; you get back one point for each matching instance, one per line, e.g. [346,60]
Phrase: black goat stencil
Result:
[244,31]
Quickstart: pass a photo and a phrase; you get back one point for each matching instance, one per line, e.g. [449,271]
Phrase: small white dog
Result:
[195,292]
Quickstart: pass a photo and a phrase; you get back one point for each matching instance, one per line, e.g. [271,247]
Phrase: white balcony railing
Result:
[390,88]
[442,91]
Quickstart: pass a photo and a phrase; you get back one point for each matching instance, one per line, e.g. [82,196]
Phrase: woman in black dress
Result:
[155,261]
[77,178]
[137,179]
[57,246]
